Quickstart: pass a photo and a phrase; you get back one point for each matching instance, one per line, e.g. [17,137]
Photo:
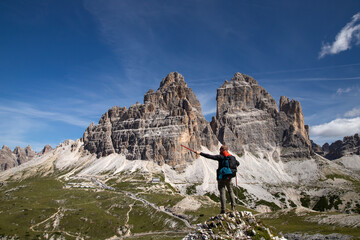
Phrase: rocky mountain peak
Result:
[29,152]
[172,94]
[46,149]
[6,148]
[155,130]
[243,93]
[247,117]
[173,78]
[295,115]
[350,145]
[18,150]
[9,159]
[243,78]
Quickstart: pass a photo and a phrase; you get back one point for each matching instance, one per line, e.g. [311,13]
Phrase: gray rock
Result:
[46,149]
[305,236]
[247,118]
[155,130]
[9,159]
[350,145]
[234,225]
[317,148]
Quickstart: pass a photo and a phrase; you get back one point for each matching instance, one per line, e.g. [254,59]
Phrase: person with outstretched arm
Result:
[224,181]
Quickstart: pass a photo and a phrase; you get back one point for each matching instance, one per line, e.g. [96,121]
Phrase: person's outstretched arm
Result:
[213,157]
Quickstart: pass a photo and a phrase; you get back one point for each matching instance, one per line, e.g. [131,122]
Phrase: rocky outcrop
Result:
[46,149]
[232,225]
[244,116]
[248,118]
[295,141]
[348,146]
[155,130]
[317,148]
[9,159]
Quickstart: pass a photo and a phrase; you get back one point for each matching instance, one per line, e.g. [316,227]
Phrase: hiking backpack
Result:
[229,168]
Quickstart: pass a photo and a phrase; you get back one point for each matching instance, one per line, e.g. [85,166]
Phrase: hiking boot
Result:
[222,211]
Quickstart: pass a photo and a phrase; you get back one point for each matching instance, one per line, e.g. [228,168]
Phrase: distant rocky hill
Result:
[350,145]
[10,159]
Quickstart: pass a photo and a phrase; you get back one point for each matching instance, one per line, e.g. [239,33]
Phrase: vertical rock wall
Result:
[247,118]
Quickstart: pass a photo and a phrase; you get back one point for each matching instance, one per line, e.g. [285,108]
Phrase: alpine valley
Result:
[128,177]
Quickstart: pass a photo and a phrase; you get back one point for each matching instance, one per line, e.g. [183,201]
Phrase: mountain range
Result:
[280,167]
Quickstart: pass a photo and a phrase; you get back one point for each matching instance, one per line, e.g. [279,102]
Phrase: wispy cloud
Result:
[341,91]
[25,124]
[15,129]
[348,36]
[130,30]
[337,128]
[353,113]
[29,111]
[308,69]
[312,79]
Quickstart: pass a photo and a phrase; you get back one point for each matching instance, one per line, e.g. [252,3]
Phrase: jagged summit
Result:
[243,93]
[350,145]
[10,159]
[155,130]
[247,118]
[173,94]
[172,78]
[6,148]
[243,78]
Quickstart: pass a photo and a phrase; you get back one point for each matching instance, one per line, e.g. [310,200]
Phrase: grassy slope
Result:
[101,214]
[290,223]
[91,213]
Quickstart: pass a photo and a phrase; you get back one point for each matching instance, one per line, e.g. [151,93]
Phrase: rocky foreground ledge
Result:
[232,225]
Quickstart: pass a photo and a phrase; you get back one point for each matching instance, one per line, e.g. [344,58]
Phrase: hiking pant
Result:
[222,183]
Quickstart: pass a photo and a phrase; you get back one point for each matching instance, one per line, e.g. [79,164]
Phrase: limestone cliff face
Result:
[155,130]
[248,118]
[295,139]
[244,115]
[10,159]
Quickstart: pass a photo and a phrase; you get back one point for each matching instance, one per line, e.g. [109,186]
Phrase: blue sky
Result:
[63,63]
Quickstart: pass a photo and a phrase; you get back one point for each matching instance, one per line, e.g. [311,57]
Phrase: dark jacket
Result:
[218,158]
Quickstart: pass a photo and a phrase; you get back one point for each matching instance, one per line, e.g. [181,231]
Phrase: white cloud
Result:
[337,128]
[343,90]
[349,35]
[353,113]
[29,111]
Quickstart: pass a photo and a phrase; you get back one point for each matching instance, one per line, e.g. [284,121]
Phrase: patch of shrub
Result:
[272,205]
[213,197]
[322,204]
[305,200]
[292,204]
[191,190]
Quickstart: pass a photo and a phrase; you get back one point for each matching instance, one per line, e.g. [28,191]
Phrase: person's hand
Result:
[197,152]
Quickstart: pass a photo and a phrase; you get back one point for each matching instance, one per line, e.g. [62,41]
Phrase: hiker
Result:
[224,180]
